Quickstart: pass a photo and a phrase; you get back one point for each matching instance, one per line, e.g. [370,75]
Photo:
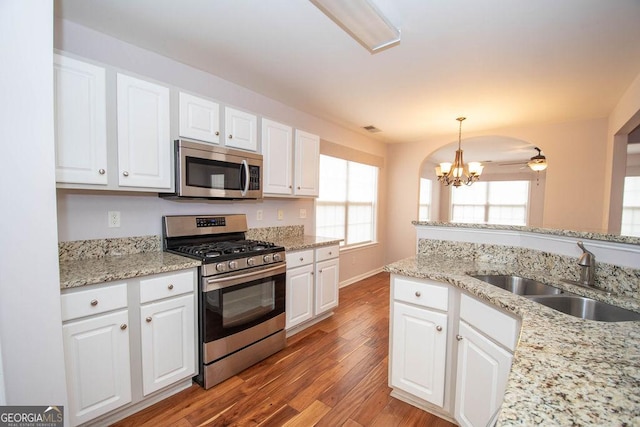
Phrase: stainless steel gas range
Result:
[241,303]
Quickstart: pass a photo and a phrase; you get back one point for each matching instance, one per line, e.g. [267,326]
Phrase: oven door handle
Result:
[214,283]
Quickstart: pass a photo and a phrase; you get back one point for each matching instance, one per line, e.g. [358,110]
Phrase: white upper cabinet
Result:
[144,146]
[80,122]
[307,164]
[199,119]
[241,129]
[277,152]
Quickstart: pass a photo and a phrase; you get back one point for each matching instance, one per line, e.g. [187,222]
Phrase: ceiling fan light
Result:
[537,165]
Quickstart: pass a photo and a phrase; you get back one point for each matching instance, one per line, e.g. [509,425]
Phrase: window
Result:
[631,207]
[346,206]
[424,205]
[491,202]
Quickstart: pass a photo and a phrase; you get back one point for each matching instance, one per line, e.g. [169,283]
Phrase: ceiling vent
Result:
[371,128]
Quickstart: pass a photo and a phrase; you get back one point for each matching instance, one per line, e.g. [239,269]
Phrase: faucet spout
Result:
[587,263]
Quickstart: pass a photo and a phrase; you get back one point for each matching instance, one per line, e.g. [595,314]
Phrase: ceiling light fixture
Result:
[362,20]
[538,162]
[452,173]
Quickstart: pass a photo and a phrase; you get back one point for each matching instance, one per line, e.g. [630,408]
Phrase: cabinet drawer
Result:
[166,285]
[327,252]
[298,258]
[424,293]
[93,301]
[497,325]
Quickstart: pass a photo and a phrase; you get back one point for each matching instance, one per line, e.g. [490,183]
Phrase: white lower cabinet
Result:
[312,284]
[450,353]
[125,341]
[419,352]
[97,365]
[483,368]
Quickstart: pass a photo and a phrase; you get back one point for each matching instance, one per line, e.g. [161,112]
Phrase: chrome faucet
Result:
[587,263]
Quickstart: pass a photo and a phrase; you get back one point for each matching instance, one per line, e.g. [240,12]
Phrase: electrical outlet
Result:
[280,214]
[114,219]
[259,215]
[303,213]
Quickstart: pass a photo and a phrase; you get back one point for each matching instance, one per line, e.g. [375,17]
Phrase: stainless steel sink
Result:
[518,285]
[586,308]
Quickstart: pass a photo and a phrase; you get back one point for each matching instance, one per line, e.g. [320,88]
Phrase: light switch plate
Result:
[280,214]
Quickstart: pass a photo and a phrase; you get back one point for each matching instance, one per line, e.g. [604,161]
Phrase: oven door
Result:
[241,309]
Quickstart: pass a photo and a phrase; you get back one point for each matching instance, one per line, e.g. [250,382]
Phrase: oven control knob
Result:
[221,267]
[233,265]
[267,259]
[277,257]
[251,261]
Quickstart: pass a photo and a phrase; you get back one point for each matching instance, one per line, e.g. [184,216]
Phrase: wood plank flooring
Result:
[331,374]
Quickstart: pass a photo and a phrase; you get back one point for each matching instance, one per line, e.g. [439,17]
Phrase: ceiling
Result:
[499,63]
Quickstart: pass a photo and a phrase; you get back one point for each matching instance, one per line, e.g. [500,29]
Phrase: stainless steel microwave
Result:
[207,171]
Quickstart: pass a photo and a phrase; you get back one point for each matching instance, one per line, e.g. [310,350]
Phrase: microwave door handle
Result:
[245,166]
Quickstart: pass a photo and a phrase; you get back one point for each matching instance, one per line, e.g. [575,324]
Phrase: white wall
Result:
[30,320]
[83,215]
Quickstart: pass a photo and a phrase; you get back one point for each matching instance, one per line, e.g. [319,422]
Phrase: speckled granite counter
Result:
[565,371]
[305,242]
[87,262]
[97,270]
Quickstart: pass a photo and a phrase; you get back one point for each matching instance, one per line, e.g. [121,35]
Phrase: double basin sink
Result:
[558,299]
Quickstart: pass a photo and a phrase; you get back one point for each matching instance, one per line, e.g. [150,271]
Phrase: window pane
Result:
[424,209]
[333,176]
[631,207]
[491,202]
[361,182]
[330,220]
[508,192]
[475,194]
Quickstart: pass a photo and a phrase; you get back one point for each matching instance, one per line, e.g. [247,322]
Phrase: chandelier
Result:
[457,173]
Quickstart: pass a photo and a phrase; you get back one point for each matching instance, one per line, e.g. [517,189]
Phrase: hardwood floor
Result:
[331,374]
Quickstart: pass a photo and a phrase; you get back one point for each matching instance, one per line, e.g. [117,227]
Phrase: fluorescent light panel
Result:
[362,21]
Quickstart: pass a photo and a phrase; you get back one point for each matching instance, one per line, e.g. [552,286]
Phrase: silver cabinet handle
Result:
[230,136]
[439,328]
[170,287]
[101,171]
[123,326]
[148,319]
[459,337]
[125,173]
[94,302]
[418,294]
[217,133]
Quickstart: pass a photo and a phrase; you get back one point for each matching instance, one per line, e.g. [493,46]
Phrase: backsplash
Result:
[275,233]
[536,264]
[100,248]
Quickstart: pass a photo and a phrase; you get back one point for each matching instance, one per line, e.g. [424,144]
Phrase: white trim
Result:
[620,254]
[359,277]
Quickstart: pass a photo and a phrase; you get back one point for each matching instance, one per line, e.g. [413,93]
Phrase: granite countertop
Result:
[296,243]
[566,370]
[81,272]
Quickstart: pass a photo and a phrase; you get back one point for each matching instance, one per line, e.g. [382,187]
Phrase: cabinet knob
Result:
[459,337]
[123,326]
[439,328]
[230,136]
[125,173]
[312,273]
[217,133]
[298,187]
[330,253]
[291,186]
[170,287]
[94,302]
[301,259]
[418,294]
[101,171]
[148,319]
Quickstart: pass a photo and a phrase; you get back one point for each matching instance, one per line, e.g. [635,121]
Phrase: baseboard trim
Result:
[359,277]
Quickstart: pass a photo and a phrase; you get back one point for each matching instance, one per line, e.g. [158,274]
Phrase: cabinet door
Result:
[277,152]
[418,352]
[97,364]
[483,368]
[80,122]
[307,164]
[299,295]
[327,282]
[144,145]
[168,342]
[199,119]
[241,129]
